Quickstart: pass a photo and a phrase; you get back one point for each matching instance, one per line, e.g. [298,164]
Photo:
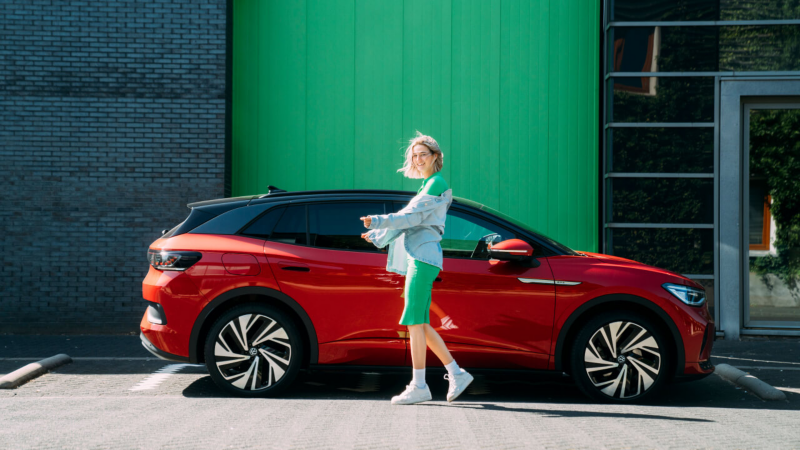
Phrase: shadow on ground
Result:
[488,390]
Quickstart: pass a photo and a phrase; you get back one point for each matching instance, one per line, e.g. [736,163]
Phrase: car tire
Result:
[253,350]
[620,357]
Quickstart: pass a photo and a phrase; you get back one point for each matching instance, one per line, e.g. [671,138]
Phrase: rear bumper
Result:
[160,353]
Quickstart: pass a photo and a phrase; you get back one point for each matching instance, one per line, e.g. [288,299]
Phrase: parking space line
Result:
[87,358]
[767,367]
[756,360]
[158,377]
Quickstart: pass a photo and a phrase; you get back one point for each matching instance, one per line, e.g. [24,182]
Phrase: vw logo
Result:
[621,359]
[253,351]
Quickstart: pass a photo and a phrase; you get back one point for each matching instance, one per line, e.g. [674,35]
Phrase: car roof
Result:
[218,206]
[276,194]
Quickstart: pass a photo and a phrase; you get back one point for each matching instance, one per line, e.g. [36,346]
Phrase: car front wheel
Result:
[253,350]
[620,357]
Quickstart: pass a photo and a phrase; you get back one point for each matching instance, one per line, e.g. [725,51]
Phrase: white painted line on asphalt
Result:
[788,389]
[87,358]
[757,360]
[158,377]
[767,367]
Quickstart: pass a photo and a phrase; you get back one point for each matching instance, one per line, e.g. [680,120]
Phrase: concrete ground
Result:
[112,397]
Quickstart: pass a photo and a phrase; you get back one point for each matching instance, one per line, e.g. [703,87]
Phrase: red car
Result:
[260,287]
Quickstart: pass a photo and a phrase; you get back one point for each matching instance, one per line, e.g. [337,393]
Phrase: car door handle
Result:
[297,267]
[438,279]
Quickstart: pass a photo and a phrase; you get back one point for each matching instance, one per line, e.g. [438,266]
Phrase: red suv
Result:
[259,287]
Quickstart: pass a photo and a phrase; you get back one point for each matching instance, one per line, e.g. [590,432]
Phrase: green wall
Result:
[326,94]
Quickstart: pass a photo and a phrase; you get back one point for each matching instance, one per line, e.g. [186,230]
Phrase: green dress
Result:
[420,276]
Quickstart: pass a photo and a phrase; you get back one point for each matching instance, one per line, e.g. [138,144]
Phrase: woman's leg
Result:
[436,344]
[417,335]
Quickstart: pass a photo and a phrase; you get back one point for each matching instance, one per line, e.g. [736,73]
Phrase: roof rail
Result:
[271,190]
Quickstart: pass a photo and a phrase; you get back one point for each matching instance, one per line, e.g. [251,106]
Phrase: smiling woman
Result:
[416,231]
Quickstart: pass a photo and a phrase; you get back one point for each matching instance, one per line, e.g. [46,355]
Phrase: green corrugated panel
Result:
[327,93]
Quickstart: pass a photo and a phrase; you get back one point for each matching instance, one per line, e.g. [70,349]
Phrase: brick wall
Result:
[112,118]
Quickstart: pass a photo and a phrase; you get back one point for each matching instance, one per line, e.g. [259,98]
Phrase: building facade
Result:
[701,154]
[112,119]
[663,131]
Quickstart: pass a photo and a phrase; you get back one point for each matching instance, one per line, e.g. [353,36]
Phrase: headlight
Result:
[686,294]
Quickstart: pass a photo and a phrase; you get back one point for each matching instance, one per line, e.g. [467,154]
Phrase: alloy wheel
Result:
[622,359]
[252,352]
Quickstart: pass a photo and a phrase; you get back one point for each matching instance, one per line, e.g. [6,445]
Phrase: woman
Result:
[413,235]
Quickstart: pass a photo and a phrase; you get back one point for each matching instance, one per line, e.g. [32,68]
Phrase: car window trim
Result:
[522,233]
[306,203]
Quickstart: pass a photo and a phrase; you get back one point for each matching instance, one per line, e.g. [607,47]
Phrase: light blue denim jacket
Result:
[415,231]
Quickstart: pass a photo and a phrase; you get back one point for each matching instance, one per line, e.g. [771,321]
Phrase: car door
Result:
[491,313]
[319,259]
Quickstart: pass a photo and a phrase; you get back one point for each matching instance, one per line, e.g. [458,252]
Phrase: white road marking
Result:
[767,367]
[757,360]
[87,358]
[788,389]
[158,377]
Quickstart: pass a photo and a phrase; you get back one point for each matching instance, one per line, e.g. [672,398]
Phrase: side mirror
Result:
[510,250]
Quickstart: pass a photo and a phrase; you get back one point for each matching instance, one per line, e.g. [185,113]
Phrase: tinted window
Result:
[753,48]
[674,10]
[662,200]
[291,227]
[337,225]
[687,150]
[466,236]
[665,49]
[666,99]
[263,226]
[637,10]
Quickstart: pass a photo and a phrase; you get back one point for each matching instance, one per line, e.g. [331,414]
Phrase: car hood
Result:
[616,260]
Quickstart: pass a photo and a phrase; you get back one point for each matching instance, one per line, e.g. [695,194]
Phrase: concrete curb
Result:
[33,370]
[749,382]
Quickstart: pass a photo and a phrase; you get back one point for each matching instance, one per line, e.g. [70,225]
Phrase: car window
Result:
[337,225]
[291,228]
[263,226]
[466,236]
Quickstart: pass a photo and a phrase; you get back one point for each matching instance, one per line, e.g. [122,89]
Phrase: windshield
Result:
[530,229]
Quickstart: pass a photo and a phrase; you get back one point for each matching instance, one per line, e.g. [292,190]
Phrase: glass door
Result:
[771,214]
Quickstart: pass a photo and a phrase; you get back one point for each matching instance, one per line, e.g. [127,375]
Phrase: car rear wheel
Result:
[253,350]
[620,357]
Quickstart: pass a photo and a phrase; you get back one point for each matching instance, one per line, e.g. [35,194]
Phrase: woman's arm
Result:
[398,221]
[381,238]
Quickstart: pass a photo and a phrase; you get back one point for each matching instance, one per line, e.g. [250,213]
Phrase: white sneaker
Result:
[412,394]
[458,384]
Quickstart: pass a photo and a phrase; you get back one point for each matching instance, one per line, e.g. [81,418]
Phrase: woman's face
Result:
[423,159]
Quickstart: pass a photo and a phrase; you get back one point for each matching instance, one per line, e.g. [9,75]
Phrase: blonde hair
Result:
[409,169]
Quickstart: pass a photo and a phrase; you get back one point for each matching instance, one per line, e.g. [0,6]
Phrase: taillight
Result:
[172,260]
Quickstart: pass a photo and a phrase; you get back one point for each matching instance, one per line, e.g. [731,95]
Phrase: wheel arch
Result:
[611,302]
[252,294]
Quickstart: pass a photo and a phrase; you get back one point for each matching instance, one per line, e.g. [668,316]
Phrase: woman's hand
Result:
[366,238]
[367,221]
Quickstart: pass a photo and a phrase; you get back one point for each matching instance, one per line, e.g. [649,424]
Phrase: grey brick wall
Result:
[112,118]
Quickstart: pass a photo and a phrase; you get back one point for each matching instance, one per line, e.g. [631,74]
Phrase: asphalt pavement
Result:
[116,395]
